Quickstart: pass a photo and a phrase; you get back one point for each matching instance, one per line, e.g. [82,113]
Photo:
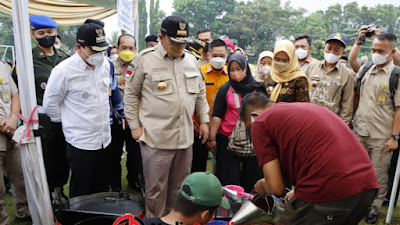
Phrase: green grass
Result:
[126,189]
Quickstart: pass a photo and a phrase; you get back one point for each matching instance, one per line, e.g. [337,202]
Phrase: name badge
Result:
[5,95]
[209,84]
[381,99]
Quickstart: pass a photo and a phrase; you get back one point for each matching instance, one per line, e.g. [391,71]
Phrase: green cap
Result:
[206,190]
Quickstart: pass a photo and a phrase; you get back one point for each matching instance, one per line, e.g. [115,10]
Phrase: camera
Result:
[369,34]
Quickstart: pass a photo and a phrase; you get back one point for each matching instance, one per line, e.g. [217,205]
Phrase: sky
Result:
[309,5]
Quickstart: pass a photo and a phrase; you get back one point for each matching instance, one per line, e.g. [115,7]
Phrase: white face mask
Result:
[217,62]
[96,59]
[57,46]
[331,58]
[301,53]
[265,69]
[114,57]
[379,59]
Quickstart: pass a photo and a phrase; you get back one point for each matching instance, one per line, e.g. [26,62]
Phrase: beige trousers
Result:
[10,165]
[381,161]
[164,171]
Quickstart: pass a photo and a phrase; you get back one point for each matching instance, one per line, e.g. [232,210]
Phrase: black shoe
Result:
[371,218]
[23,219]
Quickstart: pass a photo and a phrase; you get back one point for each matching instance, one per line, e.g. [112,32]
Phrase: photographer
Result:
[366,32]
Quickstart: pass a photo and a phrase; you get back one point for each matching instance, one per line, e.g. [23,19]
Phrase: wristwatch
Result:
[396,137]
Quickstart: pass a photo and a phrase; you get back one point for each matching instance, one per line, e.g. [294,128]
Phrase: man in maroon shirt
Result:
[317,152]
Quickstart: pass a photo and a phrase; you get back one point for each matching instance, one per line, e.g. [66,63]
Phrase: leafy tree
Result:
[142,24]
[203,13]
[260,23]
[68,36]
[156,17]
[113,38]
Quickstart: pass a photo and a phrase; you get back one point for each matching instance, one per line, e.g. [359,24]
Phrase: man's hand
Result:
[364,29]
[289,196]
[136,133]
[259,187]
[391,145]
[212,145]
[9,126]
[204,132]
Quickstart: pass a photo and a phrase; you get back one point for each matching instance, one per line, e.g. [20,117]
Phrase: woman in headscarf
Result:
[287,82]
[264,64]
[231,168]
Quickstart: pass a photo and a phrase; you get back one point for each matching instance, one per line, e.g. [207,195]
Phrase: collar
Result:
[164,53]
[121,63]
[209,69]
[40,53]
[322,65]
[80,62]
[309,59]
[387,69]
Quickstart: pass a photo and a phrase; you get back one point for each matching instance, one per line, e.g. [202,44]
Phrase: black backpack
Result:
[393,80]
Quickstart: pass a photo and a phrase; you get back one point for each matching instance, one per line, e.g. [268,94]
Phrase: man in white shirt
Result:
[77,95]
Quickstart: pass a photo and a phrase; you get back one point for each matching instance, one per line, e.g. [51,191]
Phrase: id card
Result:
[5,96]
[381,99]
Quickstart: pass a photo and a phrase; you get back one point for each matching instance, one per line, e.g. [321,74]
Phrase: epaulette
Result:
[147,50]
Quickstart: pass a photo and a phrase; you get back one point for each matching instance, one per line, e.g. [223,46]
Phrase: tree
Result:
[113,38]
[260,23]
[68,36]
[142,24]
[156,17]
[203,13]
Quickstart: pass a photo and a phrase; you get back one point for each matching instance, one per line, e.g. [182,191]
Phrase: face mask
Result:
[217,62]
[265,69]
[57,46]
[301,53]
[46,41]
[281,66]
[114,57]
[331,58]
[96,59]
[378,59]
[126,56]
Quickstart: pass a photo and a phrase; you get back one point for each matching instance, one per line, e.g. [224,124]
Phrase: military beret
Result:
[42,21]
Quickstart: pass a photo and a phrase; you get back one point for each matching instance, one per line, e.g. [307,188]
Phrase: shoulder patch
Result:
[147,50]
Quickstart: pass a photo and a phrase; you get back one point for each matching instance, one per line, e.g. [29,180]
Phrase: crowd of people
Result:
[325,130]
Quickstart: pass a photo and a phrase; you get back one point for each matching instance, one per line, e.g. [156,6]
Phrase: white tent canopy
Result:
[65,12]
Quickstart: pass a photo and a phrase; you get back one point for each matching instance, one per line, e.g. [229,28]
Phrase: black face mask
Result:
[46,41]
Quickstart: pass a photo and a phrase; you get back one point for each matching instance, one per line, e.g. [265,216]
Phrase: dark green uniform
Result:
[42,66]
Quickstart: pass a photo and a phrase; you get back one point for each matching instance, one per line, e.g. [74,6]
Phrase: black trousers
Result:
[391,173]
[134,159]
[233,169]
[117,143]
[90,170]
[200,155]
[54,152]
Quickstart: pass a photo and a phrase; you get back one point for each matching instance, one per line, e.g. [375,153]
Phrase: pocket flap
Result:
[160,77]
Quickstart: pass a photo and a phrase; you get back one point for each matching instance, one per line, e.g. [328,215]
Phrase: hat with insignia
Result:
[196,47]
[42,21]
[92,35]
[151,38]
[337,36]
[176,28]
